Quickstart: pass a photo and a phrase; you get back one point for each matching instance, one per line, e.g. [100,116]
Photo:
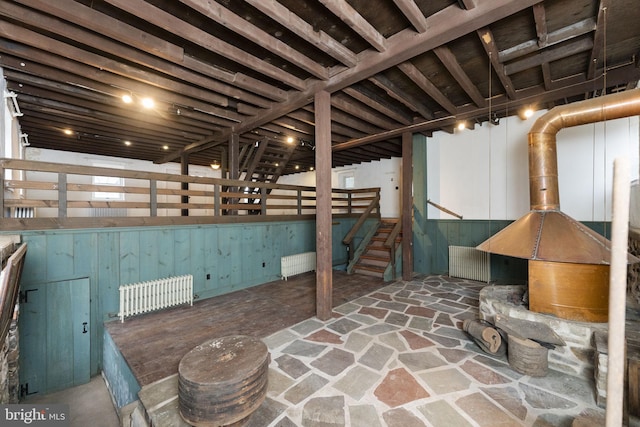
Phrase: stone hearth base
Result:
[576,357]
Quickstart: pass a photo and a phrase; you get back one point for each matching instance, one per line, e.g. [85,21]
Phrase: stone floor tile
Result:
[393,340]
[455,333]
[357,341]
[426,298]
[357,381]
[334,362]
[381,296]
[347,308]
[409,301]
[444,319]
[470,301]
[421,361]
[397,319]
[364,416]
[444,341]
[422,323]
[415,341]
[509,398]
[446,381]
[266,413]
[395,306]
[279,339]
[285,422]
[401,418]
[542,399]
[305,388]
[566,385]
[324,336]
[307,326]
[380,328]
[453,355]
[441,414]
[304,348]
[447,295]
[376,356]
[365,301]
[278,383]
[444,307]
[362,319]
[324,412]
[483,374]
[378,313]
[498,364]
[399,387]
[344,326]
[484,412]
[291,366]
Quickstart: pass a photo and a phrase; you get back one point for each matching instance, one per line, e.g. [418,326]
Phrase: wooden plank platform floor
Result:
[153,344]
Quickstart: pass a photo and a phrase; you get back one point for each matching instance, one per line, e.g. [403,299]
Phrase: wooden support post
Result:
[618,291]
[184,170]
[324,278]
[153,197]
[234,167]
[62,195]
[407,206]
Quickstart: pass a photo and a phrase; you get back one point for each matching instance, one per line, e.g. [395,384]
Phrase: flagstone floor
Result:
[398,358]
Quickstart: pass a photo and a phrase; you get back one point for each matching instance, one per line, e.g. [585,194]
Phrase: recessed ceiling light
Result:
[290,140]
[297,167]
[68,132]
[311,168]
[148,103]
[165,147]
[462,126]
[127,99]
[528,112]
[127,143]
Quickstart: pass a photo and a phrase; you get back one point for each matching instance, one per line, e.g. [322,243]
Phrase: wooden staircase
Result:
[376,257]
[264,162]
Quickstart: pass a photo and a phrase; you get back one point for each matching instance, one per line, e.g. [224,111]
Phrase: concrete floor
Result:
[89,404]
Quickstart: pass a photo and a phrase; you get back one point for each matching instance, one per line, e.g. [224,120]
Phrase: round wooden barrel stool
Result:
[223,381]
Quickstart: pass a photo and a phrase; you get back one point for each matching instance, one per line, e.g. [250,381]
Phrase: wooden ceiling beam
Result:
[559,36]
[170,23]
[598,39]
[489,45]
[425,84]
[361,111]
[413,13]
[383,108]
[540,18]
[451,63]
[549,55]
[318,38]
[242,27]
[401,95]
[353,19]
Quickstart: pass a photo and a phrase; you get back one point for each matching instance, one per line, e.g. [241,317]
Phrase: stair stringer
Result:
[389,274]
[373,229]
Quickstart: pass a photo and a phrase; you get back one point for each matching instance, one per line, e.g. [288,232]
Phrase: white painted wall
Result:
[483,173]
[385,174]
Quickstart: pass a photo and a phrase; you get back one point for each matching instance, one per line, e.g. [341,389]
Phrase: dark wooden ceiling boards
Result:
[252,67]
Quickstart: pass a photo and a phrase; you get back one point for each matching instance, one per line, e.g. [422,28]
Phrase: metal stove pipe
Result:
[545,233]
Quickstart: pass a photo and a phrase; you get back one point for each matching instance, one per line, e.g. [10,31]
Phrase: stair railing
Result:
[348,239]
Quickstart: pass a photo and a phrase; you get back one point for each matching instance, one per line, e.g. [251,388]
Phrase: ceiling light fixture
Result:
[68,132]
[528,113]
[127,99]
[148,102]
[165,147]
[290,140]
[127,143]
[461,126]
[215,165]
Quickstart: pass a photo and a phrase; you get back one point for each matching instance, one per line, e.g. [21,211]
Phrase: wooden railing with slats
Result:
[66,196]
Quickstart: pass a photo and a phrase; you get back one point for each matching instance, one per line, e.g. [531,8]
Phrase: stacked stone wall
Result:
[9,357]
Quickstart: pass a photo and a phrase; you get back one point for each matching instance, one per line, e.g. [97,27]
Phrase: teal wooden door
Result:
[55,337]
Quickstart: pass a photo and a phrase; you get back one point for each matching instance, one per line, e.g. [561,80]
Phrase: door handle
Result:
[84,327]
